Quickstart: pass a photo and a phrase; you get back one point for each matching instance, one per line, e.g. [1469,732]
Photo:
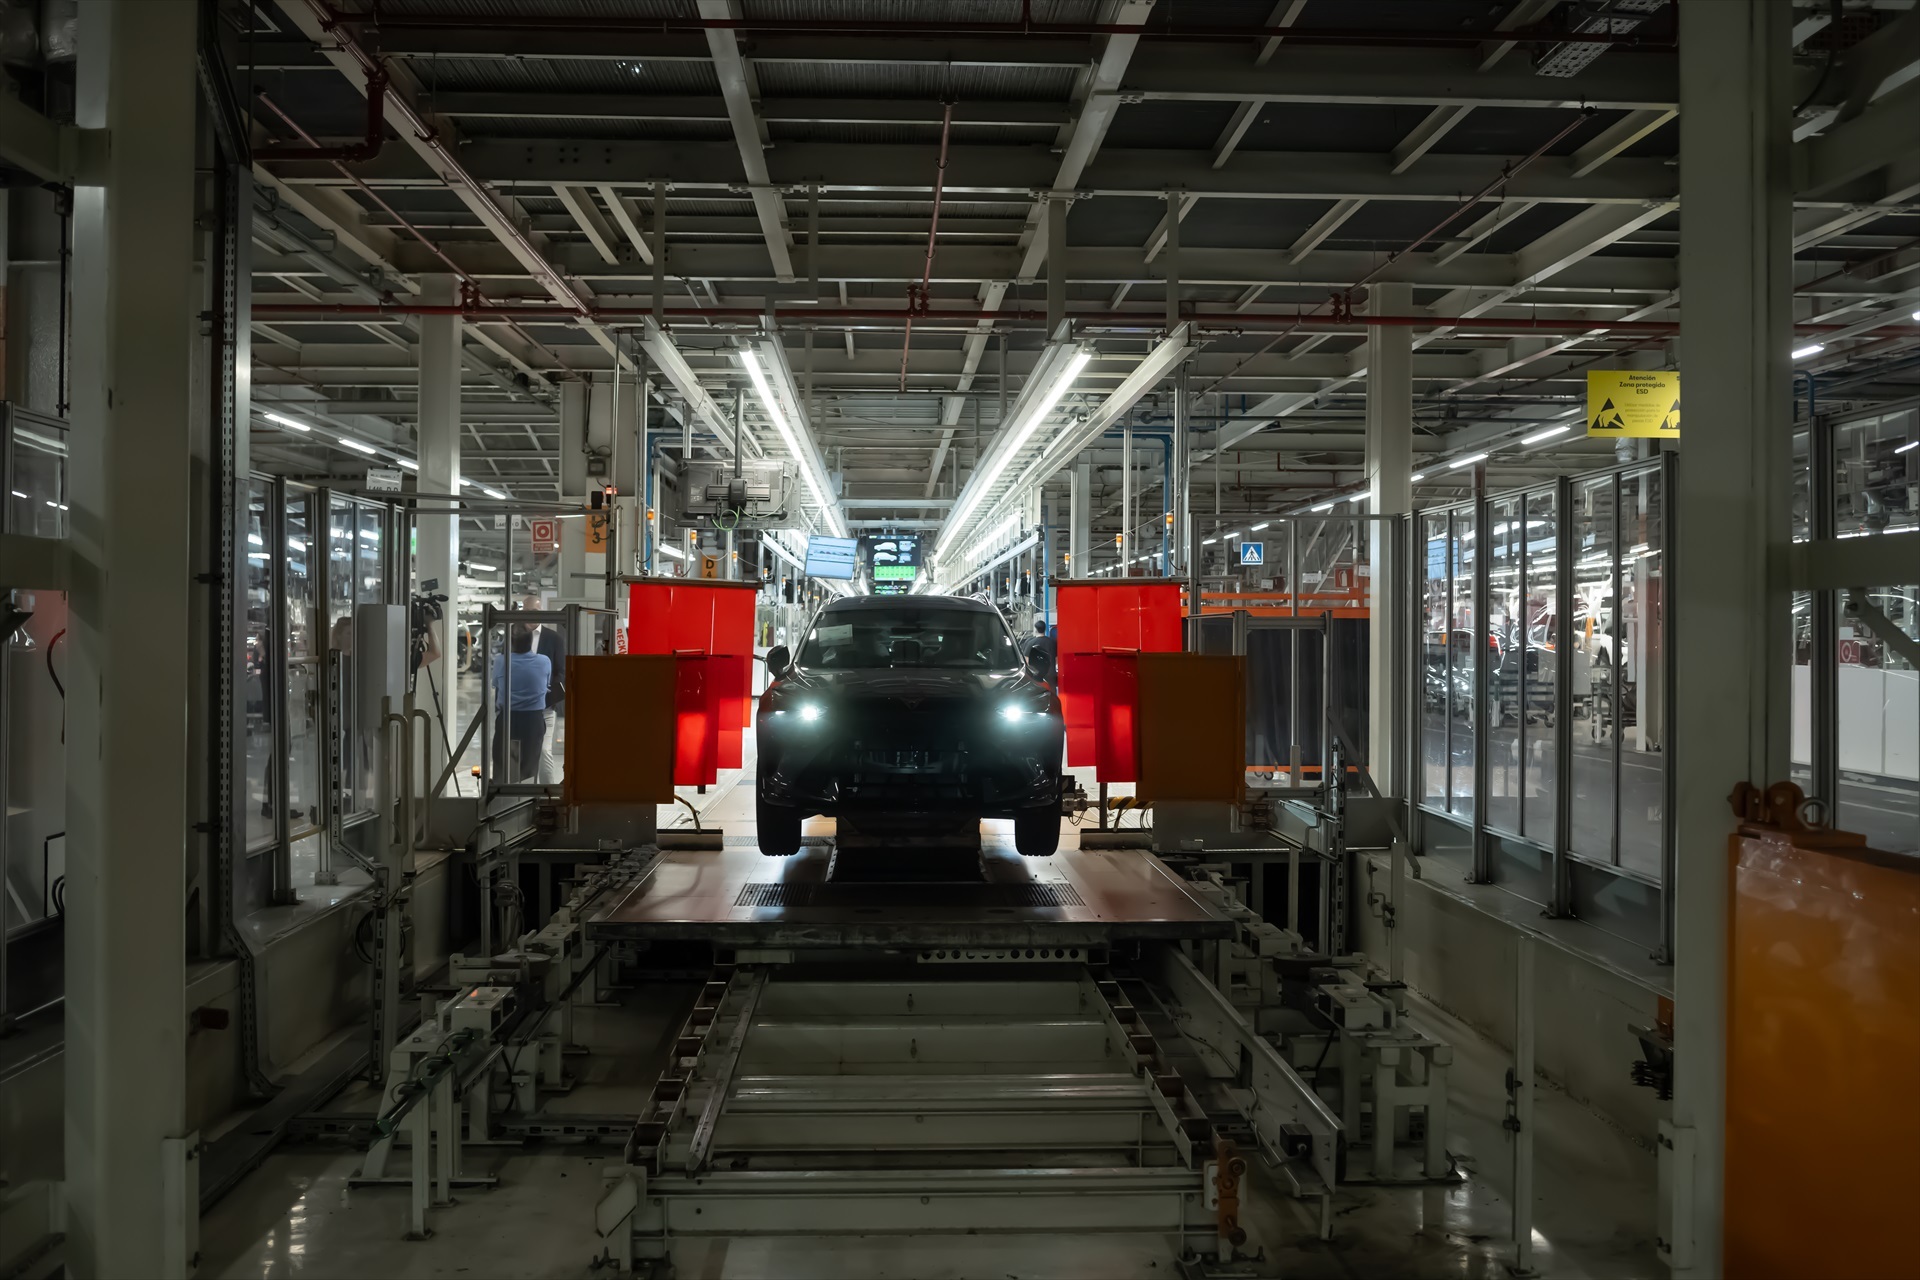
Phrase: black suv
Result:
[904,712]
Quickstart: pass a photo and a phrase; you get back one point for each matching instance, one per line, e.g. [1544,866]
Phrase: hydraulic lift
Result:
[1037,1047]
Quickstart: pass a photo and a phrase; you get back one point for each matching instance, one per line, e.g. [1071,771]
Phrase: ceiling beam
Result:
[749,134]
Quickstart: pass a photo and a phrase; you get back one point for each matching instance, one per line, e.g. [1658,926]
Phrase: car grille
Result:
[910,760]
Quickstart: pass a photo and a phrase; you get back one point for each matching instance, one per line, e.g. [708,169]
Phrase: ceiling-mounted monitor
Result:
[831,557]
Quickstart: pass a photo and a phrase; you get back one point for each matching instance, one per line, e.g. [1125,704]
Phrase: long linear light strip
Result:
[1172,349]
[1028,425]
[700,403]
[808,464]
[382,452]
[1046,370]
[773,359]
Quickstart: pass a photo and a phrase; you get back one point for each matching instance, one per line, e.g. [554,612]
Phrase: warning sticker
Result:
[1633,403]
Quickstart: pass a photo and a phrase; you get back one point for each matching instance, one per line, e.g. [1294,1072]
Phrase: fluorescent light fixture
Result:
[1416,477]
[351,443]
[1038,414]
[1540,436]
[476,567]
[1811,349]
[1326,506]
[1916,315]
[285,421]
[1467,461]
[294,544]
[1902,449]
[1263,524]
[802,455]
[1207,542]
[1362,496]
[493,493]
[410,466]
[256,540]
[668,549]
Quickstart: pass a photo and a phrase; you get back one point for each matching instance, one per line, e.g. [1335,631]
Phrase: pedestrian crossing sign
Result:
[1252,553]
[1633,403]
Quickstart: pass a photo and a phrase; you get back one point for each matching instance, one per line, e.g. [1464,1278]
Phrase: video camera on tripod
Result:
[424,609]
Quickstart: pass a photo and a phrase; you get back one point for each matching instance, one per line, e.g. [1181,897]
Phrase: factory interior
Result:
[960,639]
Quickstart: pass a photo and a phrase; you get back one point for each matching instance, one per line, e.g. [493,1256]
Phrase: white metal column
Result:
[1389,468]
[1730,617]
[1079,519]
[438,557]
[132,1209]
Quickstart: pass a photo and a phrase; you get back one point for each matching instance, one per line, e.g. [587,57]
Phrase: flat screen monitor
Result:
[831,557]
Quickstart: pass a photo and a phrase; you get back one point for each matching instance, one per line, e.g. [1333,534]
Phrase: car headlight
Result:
[1020,713]
[811,711]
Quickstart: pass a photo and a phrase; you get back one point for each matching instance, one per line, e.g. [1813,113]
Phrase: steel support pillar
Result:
[1056,207]
[1390,493]
[1729,608]
[437,559]
[1080,519]
[132,1208]
[577,408]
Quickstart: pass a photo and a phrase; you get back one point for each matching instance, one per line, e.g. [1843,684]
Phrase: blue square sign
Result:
[1253,553]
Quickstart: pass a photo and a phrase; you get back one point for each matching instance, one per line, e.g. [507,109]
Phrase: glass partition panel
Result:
[1879,721]
[37,505]
[1465,642]
[1539,739]
[370,577]
[36,778]
[1640,748]
[1595,664]
[305,659]
[1436,606]
[263,791]
[1506,615]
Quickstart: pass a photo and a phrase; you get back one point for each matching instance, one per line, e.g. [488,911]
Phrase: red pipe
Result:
[1413,38]
[917,298]
[357,153]
[1135,321]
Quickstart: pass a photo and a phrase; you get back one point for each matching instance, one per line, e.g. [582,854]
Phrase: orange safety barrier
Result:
[1823,1049]
[620,708]
[707,625]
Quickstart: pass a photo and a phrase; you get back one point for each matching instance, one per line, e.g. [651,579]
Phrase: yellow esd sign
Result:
[1633,403]
[596,531]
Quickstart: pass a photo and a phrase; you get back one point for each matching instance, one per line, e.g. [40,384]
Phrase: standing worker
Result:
[1042,643]
[520,681]
[550,644]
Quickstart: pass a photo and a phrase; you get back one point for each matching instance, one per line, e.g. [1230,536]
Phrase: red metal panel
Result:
[1102,625]
[710,625]
[696,729]
[1118,746]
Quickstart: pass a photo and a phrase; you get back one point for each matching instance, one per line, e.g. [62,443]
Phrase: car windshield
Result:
[854,639]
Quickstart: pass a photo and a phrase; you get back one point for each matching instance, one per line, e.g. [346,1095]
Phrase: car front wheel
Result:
[1036,833]
[777,825]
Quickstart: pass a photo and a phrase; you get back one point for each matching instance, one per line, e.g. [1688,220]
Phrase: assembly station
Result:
[960,639]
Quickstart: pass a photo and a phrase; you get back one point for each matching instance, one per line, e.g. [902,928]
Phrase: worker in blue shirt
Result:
[520,682]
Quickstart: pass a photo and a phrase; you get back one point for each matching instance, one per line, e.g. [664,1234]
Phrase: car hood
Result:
[910,682]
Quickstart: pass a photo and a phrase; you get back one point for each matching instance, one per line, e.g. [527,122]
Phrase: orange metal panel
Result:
[620,729]
[1823,1056]
[1192,731]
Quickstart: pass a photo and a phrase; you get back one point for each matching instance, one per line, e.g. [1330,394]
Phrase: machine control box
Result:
[1354,1007]
[483,1009]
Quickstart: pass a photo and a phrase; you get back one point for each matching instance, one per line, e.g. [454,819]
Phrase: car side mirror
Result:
[1039,665]
[779,661]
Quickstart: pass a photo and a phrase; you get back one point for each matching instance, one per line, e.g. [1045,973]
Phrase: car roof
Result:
[857,604]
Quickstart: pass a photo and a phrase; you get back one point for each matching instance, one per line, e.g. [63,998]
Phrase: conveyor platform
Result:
[736,897]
